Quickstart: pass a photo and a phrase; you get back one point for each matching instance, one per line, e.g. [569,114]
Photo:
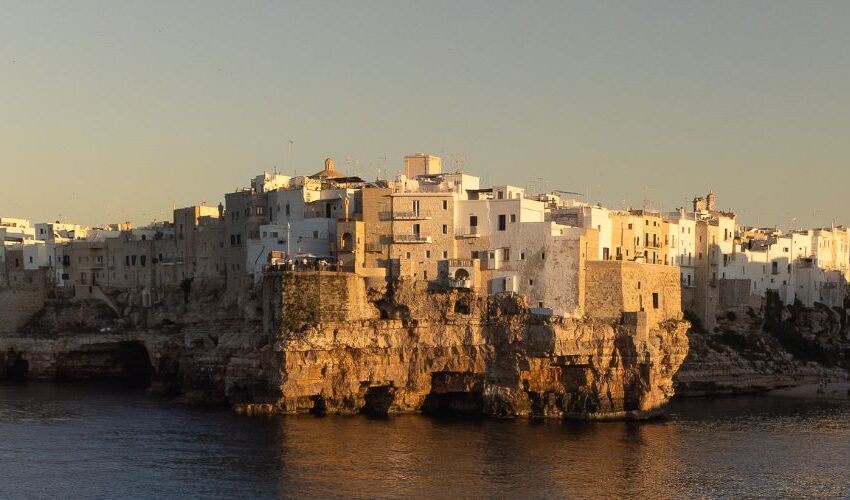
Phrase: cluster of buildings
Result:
[443,228]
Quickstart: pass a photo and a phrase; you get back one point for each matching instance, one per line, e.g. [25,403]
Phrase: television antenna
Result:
[458,160]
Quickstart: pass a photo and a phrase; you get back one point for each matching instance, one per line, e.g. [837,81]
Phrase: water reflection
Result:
[55,440]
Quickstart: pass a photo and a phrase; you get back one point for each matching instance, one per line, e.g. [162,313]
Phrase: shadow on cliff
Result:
[124,362]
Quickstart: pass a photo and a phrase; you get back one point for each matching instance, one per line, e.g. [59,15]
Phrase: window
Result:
[522,256]
[506,254]
[425,275]
[416,228]
[445,204]
[445,254]
[416,206]
[473,221]
[655,300]
[427,254]
[407,255]
[239,240]
[502,222]
[287,209]
[513,218]
[543,256]
[445,229]
[315,235]
[30,259]
[530,282]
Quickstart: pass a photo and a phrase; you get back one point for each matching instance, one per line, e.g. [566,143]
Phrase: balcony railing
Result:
[460,262]
[374,247]
[468,232]
[411,215]
[460,283]
[411,238]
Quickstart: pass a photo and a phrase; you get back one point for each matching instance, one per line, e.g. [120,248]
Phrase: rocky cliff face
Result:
[194,342]
[331,343]
[409,349]
[779,346]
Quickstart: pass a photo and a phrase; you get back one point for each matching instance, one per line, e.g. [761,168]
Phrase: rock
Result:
[326,342]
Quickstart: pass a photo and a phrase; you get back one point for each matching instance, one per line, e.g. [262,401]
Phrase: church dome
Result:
[329,172]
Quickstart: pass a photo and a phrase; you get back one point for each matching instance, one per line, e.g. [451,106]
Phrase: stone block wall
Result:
[734,293]
[17,306]
[321,296]
[615,287]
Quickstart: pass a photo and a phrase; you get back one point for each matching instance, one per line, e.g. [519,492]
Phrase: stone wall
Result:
[614,287]
[734,293]
[321,296]
[17,306]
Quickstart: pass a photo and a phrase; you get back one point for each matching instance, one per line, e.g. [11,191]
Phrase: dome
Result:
[329,172]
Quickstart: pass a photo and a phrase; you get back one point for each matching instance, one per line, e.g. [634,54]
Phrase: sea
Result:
[84,441]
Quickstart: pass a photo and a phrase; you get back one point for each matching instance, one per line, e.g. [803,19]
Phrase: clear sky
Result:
[117,110]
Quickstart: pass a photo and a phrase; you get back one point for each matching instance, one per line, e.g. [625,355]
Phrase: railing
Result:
[460,262]
[374,247]
[460,283]
[411,215]
[411,238]
[468,232]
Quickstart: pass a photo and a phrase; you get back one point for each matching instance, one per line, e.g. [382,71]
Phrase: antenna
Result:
[382,166]
[353,166]
[289,153]
[458,160]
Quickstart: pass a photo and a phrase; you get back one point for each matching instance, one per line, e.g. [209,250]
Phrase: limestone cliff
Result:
[193,341]
[327,342]
[413,349]
[777,346]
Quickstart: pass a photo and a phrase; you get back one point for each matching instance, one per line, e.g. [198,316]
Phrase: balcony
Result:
[374,247]
[411,238]
[460,262]
[460,283]
[411,215]
[468,232]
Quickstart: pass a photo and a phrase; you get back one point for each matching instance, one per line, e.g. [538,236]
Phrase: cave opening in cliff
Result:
[124,362]
[320,408]
[378,400]
[18,369]
[454,393]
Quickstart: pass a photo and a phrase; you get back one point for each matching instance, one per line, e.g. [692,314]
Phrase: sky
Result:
[113,111]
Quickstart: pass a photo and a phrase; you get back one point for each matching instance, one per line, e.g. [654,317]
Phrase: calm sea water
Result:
[94,442]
